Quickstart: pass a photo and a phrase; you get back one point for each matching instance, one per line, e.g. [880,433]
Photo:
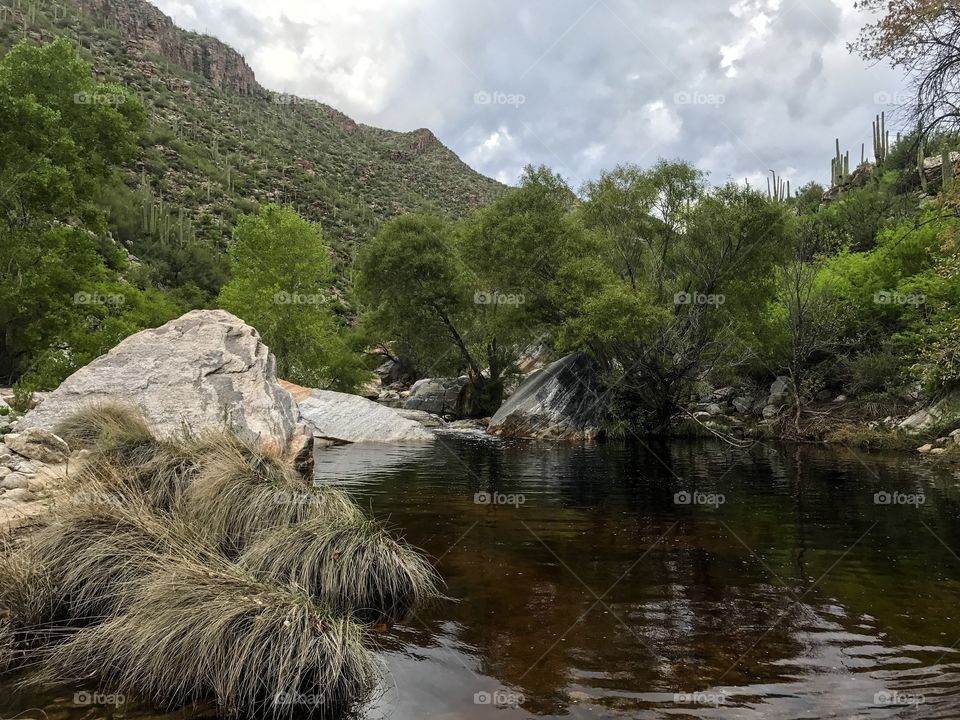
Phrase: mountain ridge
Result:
[219,144]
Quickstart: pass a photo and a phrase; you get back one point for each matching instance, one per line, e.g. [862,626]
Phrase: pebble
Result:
[16,481]
[20,495]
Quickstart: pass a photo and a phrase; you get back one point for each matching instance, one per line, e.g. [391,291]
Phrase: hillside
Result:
[218,143]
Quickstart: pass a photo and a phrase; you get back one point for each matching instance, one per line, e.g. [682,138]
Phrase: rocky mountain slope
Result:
[218,142]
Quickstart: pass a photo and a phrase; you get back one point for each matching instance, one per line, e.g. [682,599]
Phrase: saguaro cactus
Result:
[881,138]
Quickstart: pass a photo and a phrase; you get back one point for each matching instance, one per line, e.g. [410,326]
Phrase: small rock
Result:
[19,495]
[714,409]
[742,404]
[938,451]
[81,454]
[840,399]
[16,481]
[26,467]
[4,471]
[37,443]
[724,393]
[925,449]
[943,442]
[770,412]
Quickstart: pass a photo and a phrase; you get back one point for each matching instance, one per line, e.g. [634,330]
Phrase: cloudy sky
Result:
[736,86]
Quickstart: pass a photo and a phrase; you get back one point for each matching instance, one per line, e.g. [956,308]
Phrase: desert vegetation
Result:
[202,568]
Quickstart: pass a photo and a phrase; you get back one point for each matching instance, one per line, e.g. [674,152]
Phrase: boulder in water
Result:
[560,402]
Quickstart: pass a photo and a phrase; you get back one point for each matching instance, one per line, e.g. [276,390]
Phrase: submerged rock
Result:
[205,369]
[559,402]
[351,418]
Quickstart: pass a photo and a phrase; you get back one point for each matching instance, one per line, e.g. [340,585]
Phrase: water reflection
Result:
[825,584]
[599,596]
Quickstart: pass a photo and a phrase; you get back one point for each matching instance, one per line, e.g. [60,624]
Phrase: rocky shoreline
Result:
[209,369]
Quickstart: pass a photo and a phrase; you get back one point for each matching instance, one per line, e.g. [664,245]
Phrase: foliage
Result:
[281,278]
[62,301]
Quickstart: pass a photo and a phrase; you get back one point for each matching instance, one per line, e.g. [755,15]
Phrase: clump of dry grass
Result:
[8,648]
[135,581]
[196,630]
[106,422]
[356,568]
[243,490]
[92,554]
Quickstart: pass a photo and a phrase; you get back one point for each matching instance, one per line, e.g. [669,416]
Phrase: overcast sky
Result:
[736,87]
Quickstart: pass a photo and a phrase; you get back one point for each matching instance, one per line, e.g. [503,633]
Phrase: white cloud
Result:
[599,85]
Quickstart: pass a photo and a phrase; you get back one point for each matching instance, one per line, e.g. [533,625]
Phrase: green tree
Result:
[695,264]
[61,299]
[281,285]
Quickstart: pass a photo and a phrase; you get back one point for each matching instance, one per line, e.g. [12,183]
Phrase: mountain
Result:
[218,143]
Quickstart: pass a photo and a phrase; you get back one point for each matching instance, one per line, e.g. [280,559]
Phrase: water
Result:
[794,595]
[583,589]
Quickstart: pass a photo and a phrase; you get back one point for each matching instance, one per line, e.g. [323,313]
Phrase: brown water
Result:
[587,591]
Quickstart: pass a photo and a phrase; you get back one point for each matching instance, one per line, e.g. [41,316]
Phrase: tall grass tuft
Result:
[355,568]
[104,423]
[243,490]
[196,630]
[91,556]
[8,648]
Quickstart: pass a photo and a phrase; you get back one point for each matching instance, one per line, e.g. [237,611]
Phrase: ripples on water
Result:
[596,595]
[599,596]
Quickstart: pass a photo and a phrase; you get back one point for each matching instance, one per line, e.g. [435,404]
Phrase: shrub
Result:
[107,422]
[194,630]
[357,568]
[242,490]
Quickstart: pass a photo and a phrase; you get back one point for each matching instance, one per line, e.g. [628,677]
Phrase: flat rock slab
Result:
[205,369]
[38,444]
[351,418]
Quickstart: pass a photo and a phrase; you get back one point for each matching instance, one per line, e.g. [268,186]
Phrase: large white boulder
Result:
[205,369]
[351,418]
